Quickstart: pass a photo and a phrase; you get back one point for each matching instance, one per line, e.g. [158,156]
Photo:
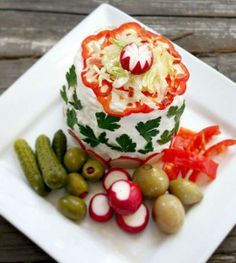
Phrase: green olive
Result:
[76,185]
[74,159]
[152,180]
[93,170]
[72,207]
[188,192]
[168,213]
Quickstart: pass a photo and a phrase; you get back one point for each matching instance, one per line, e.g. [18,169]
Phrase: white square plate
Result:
[32,106]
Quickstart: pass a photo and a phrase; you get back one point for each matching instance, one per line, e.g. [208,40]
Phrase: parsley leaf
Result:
[148,129]
[71,77]
[102,138]
[71,118]
[63,94]
[172,111]
[90,137]
[76,102]
[107,122]
[148,148]
[165,137]
[177,117]
[125,144]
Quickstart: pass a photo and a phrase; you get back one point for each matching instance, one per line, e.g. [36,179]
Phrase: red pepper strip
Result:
[199,141]
[182,139]
[171,170]
[194,175]
[219,147]
[189,160]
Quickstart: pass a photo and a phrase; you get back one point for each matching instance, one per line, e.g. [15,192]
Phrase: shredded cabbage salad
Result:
[149,88]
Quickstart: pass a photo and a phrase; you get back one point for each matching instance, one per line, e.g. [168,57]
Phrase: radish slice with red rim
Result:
[124,197]
[126,162]
[113,175]
[135,222]
[99,209]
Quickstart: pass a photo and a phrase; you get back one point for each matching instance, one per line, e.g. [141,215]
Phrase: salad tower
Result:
[125,94]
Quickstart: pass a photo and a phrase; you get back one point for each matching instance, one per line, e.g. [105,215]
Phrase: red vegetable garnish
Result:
[191,161]
[189,148]
[219,147]
[136,59]
[103,90]
[200,139]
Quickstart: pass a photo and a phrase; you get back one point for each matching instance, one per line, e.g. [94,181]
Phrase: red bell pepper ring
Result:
[178,86]
[219,147]
[185,159]
[199,141]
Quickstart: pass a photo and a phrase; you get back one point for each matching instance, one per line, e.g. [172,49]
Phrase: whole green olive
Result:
[168,213]
[74,159]
[76,185]
[72,207]
[152,180]
[188,192]
[93,170]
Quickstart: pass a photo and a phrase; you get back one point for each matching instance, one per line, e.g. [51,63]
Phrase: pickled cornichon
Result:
[54,174]
[59,144]
[72,207]
[29,165]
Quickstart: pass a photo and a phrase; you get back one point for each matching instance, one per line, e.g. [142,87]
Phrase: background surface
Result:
[28,29]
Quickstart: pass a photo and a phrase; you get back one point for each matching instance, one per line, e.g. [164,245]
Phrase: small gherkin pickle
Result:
[29,165]
[54,174]
[72,207]
[93,170]
[59,144]
[188,192]
[76,185]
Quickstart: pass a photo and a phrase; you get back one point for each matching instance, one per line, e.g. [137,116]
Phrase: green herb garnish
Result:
[107,122]
[148,148]
[148,129]
[71,77]
[71,118]
[76,102]
[63,94]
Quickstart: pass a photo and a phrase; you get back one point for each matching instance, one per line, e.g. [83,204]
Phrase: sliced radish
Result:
[126,162]
[136,59]
[124,197]
[113,175]
[99,157]
[153,159]
[135,222]
[77,139]
[99,209]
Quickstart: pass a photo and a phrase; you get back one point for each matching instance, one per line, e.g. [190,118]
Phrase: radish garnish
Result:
[135,222]
[99,208]
[126,162]
[124,197]
[136,58]
[114,175]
